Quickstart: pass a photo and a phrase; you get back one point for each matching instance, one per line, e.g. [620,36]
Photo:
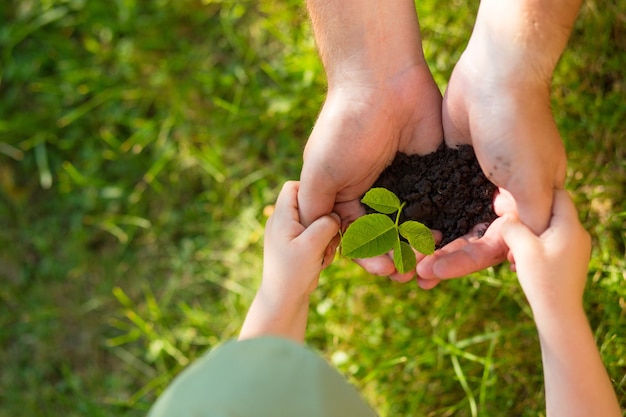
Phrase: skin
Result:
[281,304]
[551,268]
[370,111]
[382,99]
[498,100]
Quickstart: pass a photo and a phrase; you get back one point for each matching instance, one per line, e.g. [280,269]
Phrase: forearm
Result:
[576,382]
[269,318]
[524,39]
[365,40]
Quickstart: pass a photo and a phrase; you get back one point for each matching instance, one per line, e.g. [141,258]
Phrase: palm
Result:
[519,149]
[356,136]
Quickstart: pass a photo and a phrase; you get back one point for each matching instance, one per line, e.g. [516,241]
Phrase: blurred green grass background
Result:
[141,140]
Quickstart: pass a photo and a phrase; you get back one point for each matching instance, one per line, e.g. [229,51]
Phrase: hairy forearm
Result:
[365,40]
[576,381]
[269,318]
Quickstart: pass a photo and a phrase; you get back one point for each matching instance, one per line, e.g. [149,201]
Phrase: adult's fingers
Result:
[400,277]
[379,265]
[383,265]
[427,284]
[465,255]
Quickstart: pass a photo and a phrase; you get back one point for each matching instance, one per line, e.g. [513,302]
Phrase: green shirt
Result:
[268,376]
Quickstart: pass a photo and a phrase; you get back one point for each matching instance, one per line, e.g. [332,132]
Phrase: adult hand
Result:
[498,100]
[353,140]
[519,149]
[480,248]
[381,99]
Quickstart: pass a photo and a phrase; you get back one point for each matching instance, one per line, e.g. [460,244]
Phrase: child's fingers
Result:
[565,232]
[319,239]
[286,208]
[287,197]
[504,202]
[517,236]
[321,232]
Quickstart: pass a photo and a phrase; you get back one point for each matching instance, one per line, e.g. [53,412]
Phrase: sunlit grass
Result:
[140,144]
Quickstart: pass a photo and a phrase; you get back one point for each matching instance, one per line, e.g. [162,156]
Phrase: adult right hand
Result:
[357,135]
[381,99]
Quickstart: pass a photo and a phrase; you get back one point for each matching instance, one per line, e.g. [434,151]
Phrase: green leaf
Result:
[381,200]
[403,257]
[419,236]
[370,235]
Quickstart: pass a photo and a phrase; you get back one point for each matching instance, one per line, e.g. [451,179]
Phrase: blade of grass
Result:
[458,371]
[487,377]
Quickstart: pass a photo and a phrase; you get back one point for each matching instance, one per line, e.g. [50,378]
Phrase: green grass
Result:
[140,142]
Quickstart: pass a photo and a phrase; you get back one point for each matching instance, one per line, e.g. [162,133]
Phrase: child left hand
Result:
[295,255]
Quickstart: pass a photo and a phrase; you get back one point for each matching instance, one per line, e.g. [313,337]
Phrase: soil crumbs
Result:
[445,190]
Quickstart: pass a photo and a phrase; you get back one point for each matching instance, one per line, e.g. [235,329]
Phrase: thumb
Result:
[317,194]
[320,233]
[517,236]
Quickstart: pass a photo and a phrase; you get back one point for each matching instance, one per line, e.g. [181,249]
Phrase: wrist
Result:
[373,68]
[392,97]
[549,315]
[366,42]
[279,304]
[562,326]
[269,315]
[504,66]
[522,41]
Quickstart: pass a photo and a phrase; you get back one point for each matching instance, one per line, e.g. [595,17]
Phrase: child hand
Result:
[293,258]
[295,255]
[552,267]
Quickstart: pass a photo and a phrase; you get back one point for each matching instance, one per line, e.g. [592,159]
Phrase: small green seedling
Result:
[375,234]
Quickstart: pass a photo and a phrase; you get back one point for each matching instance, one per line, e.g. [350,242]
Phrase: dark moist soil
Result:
[446,190]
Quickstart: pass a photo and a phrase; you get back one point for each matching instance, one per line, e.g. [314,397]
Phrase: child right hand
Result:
[552,267]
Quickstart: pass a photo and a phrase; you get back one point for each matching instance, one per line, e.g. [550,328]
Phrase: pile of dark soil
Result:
[446,190]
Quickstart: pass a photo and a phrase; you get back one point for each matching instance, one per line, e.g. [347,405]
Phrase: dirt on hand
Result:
[445,190]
